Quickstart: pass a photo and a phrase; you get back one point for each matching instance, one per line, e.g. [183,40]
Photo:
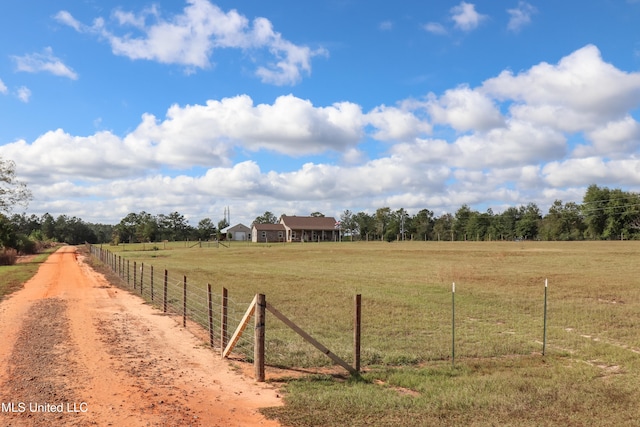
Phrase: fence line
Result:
[477,330]
[176,296]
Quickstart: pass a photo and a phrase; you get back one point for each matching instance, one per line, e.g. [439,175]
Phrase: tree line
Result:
[605,214]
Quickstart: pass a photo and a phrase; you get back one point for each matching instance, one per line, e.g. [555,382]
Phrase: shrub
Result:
[25,245]
[8,256]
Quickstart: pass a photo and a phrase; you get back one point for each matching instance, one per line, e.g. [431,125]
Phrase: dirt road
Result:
[75,351]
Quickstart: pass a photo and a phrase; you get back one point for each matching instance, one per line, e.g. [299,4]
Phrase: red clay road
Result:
[76,351]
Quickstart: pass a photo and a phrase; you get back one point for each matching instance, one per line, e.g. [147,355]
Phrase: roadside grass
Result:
[12,277]
[587,377]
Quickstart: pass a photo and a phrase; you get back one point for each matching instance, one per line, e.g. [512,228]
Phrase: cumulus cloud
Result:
[465,16]
[45,61]
[190,39]
[395,124]
[615,139]
[3,88]
[520,16]
[555,126]
[592,169]
[579,93]
[464,109]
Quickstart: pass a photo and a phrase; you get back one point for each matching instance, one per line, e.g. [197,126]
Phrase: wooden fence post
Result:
[184,302]
[210,306]
[223,319]
[258,346]
[357,319]
[135,274]
[152,283]
[164,299]
[141,276]
[128,274]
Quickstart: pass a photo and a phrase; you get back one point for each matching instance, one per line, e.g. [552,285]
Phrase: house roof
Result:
[269,227]
[238,227]
[309,222]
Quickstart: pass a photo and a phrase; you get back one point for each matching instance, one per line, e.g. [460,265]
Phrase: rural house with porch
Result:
[297,229]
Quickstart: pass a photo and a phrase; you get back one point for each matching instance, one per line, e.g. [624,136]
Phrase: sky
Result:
[110,107]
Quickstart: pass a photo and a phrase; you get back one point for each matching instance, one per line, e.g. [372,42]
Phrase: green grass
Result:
[592,360]
[12,277]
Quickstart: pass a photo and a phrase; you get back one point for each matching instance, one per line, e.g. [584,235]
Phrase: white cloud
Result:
[24,94]
[520,16]
[190,38]
[581,92]
[66,18]
[385,26]
[466,17]
[394,124]
[198,135]
[58,156]
[593,169]
[464,109]
[435,28]
[46,61]
[615,139]
[545,132]
[3,88]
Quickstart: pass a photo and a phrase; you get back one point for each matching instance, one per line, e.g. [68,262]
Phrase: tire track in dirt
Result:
[37,367]
[74,340]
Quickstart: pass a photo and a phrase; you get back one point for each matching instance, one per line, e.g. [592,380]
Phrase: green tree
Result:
[13,192]
[594,204]
[206,228]
[422,225]
[505,224]
[146,228]
[48,226]
[443,227]
[127,228]
[348,223]
[563,222]
[7,234]
[266,218]
[460,222]
[528,225]
[178,226]
[477,226]
[382,219]
[365,225]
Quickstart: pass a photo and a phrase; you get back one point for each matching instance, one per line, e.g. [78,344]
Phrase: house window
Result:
[264,234]
[279,234]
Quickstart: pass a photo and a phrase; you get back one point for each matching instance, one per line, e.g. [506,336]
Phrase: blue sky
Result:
[294,107]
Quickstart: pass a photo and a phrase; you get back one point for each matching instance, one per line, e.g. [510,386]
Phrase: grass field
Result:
[588,376]
[12,277]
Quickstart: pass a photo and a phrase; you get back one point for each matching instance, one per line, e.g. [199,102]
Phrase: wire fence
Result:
[400,324]
[176,295]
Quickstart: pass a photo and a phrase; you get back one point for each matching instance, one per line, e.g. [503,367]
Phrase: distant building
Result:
[239,232]
[297,229]
[264,233]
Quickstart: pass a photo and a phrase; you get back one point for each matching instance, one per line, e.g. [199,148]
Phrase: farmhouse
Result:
[297,229]
[264,233]
[310,228]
